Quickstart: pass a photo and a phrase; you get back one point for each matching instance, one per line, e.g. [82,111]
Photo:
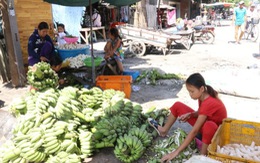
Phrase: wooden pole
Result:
[91,43]
[13,43]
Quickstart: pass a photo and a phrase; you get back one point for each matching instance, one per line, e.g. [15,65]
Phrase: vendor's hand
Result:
[185,117]
[44,59]
[169,157]
[106,56]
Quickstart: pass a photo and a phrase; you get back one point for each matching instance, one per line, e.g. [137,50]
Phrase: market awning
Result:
[71,2]
[121,2]
[86,2]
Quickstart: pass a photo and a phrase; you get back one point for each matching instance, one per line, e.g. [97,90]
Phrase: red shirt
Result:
[214,109]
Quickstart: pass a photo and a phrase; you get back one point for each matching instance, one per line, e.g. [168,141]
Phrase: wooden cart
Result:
[141,40]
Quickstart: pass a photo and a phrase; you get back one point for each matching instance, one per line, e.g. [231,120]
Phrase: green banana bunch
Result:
[70,92]
[63,108]
[137,109]
[64,157]
[18,107]
[25,123]
[9,152]
[86,143]
[31,102]
[143,135]
[109,93]
[113,106]
[34,156]
[128,148]
[41,76]
[121,124]
[91,98]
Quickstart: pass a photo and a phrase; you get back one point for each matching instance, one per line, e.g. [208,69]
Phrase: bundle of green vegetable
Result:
[167,145]
[152,75]
[41,76]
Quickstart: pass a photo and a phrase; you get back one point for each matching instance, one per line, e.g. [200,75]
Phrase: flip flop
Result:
[154,124]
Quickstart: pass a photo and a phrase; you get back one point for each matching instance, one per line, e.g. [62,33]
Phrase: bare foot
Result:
[163,133]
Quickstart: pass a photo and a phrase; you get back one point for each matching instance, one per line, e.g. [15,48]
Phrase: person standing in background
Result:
[239,19]
[251,13]
[96,18]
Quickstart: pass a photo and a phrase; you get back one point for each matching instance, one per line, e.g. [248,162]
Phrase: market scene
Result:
[130,81]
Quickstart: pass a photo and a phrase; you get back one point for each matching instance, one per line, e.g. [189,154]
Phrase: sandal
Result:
[154,124]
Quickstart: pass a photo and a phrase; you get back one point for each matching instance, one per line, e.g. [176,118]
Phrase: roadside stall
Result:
[218,11]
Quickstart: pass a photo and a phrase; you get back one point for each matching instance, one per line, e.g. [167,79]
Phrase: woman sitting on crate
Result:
[113,48]
[41,48]
[205,121]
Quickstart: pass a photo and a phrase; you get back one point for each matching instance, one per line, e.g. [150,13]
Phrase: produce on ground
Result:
[71,124]
[251,152]
[41,76]
[151,76]
[167,145]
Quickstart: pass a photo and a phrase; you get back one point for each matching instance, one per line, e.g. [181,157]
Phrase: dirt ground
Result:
[222,62]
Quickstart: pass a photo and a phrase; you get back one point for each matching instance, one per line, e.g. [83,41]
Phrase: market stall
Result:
[89,3]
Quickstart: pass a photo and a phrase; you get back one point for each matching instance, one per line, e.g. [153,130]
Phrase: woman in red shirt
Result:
[205,121]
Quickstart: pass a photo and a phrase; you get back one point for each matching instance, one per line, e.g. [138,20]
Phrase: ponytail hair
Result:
[198,81]
[212,92]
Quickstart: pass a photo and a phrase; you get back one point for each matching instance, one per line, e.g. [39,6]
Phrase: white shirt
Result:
[251,14]
[60,38]
[96,20]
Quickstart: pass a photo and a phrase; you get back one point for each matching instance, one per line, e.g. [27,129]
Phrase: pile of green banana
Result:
[71,124]
[41,76]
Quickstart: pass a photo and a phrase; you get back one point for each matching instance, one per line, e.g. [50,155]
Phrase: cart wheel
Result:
[207,38]
[138,48]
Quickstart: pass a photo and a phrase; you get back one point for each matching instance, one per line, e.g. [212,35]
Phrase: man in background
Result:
[240,19]
[96,18]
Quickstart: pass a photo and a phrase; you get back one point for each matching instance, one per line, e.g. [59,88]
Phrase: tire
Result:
[138,48]
[208,38]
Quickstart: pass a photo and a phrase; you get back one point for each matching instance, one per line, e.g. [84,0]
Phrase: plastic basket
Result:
[234,131]
[134,74]
[116,82]
[66,53]
[71,39]
[97,61]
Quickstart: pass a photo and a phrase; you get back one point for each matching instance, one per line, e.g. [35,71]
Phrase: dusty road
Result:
[224,66]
